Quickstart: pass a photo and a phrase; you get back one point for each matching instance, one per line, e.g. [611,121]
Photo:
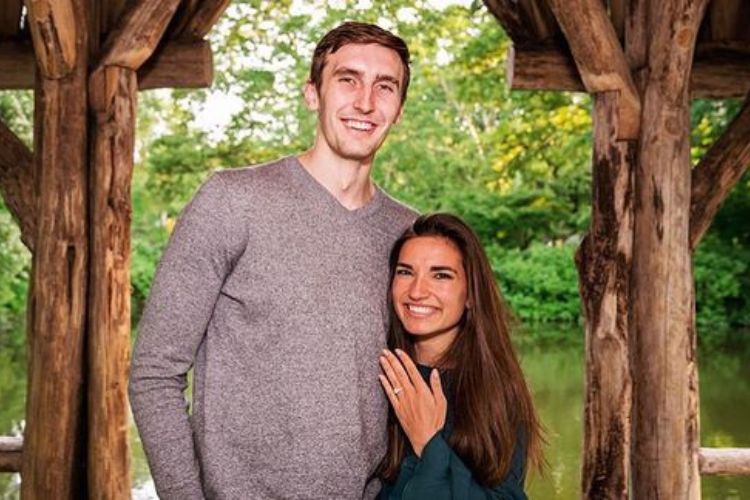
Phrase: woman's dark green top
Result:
[439,474]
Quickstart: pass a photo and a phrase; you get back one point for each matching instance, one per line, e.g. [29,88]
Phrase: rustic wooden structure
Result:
[86,60]
[642,60]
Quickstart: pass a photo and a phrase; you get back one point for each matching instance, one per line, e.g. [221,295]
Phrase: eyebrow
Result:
[432,269]
[359,74]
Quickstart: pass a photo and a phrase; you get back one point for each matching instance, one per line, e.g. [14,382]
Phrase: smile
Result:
[416,310]
[360,125]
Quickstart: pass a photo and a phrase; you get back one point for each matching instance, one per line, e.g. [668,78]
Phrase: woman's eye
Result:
[443,276]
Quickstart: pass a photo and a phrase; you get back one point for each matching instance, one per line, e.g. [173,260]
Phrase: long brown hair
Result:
[493,405]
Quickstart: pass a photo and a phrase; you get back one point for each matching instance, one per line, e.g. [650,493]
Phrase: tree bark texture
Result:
[718,172]
[52,458]
[173,65]
[527,22]
[17,183]
[600,58]
[10,15]
[178,65]
[195,22]
[113,94]
[725,461]
[603,261]
[550,68]
[139,31]
[10,453]
[665,379]
[53,31]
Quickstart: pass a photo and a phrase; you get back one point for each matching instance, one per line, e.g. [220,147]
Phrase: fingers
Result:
[395,372]
[437,388]
[411,369]
[388,388]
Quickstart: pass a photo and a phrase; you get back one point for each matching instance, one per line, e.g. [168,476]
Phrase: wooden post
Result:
[52,459]
[17,183]
[603,261]
[113,93]
[665,422]
[718,172]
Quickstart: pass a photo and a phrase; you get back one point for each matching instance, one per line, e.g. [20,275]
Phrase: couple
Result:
[275,288]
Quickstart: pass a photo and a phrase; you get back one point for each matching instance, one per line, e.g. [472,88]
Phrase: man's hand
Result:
[420,409]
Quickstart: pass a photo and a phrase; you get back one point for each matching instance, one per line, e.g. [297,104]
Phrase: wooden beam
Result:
[527,22]
[53,31]
[199,20]
[175,65]
[720,77]
[17,66]
[138,33]
[599,57]
[53,462]
[179,65]
[10,453]
[549,68]
[10,19]
[664,458]
[728,18]
[735,461]
[113,94]
[17,183]
[718,172]
[603,262]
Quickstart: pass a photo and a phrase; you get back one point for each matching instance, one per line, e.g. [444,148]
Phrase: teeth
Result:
[360,125]
[419,309]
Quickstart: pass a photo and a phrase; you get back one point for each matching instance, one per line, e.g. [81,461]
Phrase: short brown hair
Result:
[361,33]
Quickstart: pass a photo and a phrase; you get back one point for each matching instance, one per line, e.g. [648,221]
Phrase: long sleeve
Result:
[440,474]
[200,254]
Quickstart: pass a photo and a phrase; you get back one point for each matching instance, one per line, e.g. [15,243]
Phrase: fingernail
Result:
[434,373]
[399,352]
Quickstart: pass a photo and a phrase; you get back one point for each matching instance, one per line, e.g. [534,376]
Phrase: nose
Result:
[364,101]
[418,289]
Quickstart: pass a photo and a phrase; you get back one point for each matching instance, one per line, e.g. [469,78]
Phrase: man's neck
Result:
[347,180]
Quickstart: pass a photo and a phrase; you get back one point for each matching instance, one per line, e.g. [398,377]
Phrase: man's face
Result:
[359,100]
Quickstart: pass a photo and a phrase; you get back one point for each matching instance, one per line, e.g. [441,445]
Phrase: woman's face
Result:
[429,288]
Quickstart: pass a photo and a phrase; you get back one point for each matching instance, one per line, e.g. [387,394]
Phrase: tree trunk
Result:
[114,93]
[665,433]
[603,261]
[52,459]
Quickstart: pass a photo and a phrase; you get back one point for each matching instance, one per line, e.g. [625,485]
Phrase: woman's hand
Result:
[420,409]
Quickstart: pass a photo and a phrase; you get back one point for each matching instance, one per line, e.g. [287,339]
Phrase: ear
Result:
[311,96]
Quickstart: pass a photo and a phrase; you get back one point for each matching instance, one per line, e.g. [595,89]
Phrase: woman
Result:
[473,433]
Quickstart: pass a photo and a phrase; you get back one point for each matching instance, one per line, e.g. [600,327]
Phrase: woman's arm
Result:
[440,474]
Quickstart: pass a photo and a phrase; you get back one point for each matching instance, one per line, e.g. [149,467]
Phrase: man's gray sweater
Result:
[275,294]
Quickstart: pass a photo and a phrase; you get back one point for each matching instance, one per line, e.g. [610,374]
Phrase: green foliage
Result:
[14,272]
[540,282]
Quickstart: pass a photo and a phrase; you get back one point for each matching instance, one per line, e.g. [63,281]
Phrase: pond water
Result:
[555,374]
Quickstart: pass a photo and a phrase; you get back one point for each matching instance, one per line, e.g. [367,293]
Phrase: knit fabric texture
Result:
[275,294]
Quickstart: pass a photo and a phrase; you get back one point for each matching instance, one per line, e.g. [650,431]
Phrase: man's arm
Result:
[200,254]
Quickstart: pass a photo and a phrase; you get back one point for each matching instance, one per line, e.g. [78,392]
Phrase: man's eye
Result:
[346,79]
[387,88]
[402,272]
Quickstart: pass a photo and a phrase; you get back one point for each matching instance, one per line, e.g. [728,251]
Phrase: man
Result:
[273,288]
